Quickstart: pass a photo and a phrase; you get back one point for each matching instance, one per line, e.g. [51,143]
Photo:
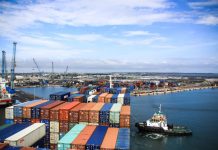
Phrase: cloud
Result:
[199,5]
[138,33]
[208,20]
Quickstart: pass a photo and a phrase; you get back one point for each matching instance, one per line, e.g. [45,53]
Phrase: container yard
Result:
[69,121]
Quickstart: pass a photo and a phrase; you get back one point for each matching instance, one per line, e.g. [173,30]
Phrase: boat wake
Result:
[154,136]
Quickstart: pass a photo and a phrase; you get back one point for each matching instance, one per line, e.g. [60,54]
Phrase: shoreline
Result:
[168,90]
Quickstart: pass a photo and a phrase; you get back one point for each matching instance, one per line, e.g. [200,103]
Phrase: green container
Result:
[65,142]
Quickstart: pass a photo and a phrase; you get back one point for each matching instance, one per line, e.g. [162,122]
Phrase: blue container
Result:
[96,139]
[26,120]
[39,143]
[9,121]
[114,98]
[104,114]
[47,124]
[35,111]
[95,99]
[12,148]
[9,131]
[18,109]
[59,96]
[123,139]
[126,99]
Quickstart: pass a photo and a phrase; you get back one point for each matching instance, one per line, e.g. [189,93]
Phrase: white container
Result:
[92,91]
[115,113]
[90,98]
[54,126]
[9,112]
[120,98]
[27,136]
[54,137]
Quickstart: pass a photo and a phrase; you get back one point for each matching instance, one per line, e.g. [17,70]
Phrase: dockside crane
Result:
[13,65]
[3,65]
[40,73]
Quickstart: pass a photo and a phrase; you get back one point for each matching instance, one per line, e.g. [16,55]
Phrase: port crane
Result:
[13,65]
[40,73]
[4,65]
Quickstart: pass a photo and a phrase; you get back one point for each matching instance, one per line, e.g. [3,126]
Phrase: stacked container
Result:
[114,98]
[123,139]
[115,115]
[94,113]
[66,141]
[108,98]
[120,99]
[127,99]
[54,124]
[97,137]
[80,142]
[64,117]
[74,115]
[104,114]
[9,115]
[60,96]
[110,139]
[84,113]
[77,98]
[125,117]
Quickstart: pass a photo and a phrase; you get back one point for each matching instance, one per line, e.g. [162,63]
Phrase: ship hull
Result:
[173,130]
[5,101]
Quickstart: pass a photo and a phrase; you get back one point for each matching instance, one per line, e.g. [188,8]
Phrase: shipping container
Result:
[96,139]
[28,148]
[76,97]
[84,113]
[74,113]
[54,112]
[9,121]
[45,110]
[54,137]
[3,146]
[127,99]
[104,114]
[54,126]
[110,139]
[64,111]
[120,99]
[102,97]
[95,99]
[18,120]
[35,121]
[63,126]
[115,115]
[27,136]
[94,113]
[123,139]
[125,117]
[114,98]
[27,108]
[108,98]
[90,98]
[4,126]
[60,96]
[9,112]
[26,120]
[65,142]
[35,111]
[18,109]
[80,142]
[71,125]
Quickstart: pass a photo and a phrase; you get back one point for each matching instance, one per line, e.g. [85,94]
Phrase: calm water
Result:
[196,109]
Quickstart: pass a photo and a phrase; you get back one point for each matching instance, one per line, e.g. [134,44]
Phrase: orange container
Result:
[27,108]
[123,91]
[35,120]
[17,120]
[74,113]
[108,98]
[94,113]
[28,148]
[84,112]
[125,117]
[81,140]
[54,112]
[64,111]
[110,139]
[45,110]
[101,97]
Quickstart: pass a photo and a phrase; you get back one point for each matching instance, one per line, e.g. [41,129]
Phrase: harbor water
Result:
[196,109]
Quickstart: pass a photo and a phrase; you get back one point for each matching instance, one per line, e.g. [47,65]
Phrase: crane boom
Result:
[37,66]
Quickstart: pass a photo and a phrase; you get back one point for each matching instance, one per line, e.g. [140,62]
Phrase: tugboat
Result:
[158,124]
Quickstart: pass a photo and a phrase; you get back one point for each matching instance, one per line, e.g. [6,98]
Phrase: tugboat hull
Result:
[173,130]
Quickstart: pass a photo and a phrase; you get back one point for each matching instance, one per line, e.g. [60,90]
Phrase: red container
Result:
[64,111]
[17,120]
[78,99]
[28,148]
[125,117]
[84,112]
[74,113]
[94,113]
[101,97]
[53,146]
[45,110]
[63,126]
[54,112]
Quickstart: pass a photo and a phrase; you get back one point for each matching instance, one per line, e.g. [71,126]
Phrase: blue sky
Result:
[111,35]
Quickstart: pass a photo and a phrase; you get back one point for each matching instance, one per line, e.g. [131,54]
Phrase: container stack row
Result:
[89,137]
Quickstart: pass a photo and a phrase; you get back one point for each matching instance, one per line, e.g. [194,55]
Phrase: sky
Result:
[111,35]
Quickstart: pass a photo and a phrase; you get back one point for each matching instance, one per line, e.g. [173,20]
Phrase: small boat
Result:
[158,124]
